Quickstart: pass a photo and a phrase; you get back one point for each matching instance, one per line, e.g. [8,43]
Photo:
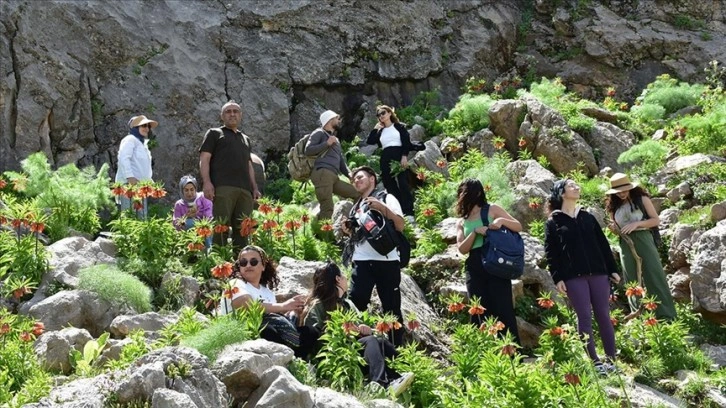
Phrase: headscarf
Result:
[186,180]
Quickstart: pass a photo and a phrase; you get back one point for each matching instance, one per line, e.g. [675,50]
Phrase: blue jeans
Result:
[190,224]
[125,204]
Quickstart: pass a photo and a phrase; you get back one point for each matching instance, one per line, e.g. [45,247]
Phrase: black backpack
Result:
[383,236]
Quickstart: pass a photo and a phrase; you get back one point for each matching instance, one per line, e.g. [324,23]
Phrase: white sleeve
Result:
[392,202]
[125,155]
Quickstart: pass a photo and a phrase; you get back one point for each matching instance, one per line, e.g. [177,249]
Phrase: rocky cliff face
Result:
[76,71]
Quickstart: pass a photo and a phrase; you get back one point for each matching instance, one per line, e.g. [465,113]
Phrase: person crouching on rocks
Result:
[192,206]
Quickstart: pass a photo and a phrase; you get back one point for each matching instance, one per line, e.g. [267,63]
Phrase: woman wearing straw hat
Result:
[134,158]
[633,215]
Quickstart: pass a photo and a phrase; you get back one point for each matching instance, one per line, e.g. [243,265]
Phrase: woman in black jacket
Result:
[580,261]
[390,135]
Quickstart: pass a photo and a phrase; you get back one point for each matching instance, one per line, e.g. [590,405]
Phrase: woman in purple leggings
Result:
[580,261]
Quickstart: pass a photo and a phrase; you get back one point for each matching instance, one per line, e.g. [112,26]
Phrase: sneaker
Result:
[410,219]
[601,369]
[401,384]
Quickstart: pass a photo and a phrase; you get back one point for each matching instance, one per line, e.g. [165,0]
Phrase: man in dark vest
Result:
[227,173]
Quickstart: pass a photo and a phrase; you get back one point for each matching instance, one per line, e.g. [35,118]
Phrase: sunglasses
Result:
[253,262]
[381,113]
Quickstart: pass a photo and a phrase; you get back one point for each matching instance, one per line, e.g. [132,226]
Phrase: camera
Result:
[351,224]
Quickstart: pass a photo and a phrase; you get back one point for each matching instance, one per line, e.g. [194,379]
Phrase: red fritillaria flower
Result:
[279,234]
[614,321]
[305,218]
[441,164]
[635,291]
[278,209]
[247,227]
[269,224]
[545,303]
[476,310]
[4,329]
[26,336]
[383,327]
[38,328]
[413,325]
[221,228]
[204,231]
[222,271]
[509,350]
[228,293]
[326,227]
[350,328]
[138,206]
[265,208]
[145,191]
[522,142]
[572,379]
[556,331]
[651,322]
[3,183]
[610,92]
[421,176]
[37,227]
[456,307]
[118,191]
[651,306]
[429,212]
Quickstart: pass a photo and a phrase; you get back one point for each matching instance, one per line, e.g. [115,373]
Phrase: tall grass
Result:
[116,287]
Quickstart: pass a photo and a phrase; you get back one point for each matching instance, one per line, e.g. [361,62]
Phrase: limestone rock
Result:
[278,388]
[708,272]
[610,142]
[164,398]
[53,348]
[505,116]
[546,130]
[77,308]
[240,371]
[149,322]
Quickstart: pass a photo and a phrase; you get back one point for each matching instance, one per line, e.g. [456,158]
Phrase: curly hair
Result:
[469,194]
[636,194]
[269,276]
[325,288]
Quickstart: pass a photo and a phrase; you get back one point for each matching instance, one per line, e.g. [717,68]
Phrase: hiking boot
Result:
[605,368]
[401,384]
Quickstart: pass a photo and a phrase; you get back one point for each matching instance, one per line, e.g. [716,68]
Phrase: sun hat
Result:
[326,116]
[620,183]
[137,121]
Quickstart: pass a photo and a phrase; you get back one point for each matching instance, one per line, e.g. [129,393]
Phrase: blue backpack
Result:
[503,252]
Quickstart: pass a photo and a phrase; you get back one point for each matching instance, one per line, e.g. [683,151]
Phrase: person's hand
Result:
[256,195]
[614,228]
[332,140]
[192,212]
[561,287]
[132,180]
[375,204]
[615,278]
[496,224]
[294,304]
[630,228]
[364,330]
[481,230]
[208,190]
[344,227]
[404,162]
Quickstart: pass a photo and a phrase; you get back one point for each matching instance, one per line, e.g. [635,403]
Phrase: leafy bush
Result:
[116,287]
[648,157]
[426,108]
[703,133]
[707,181]
[470,114]
[74,196]
[668,93]
[429,244]
[339,358]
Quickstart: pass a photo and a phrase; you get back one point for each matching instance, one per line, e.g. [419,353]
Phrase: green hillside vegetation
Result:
[483,369]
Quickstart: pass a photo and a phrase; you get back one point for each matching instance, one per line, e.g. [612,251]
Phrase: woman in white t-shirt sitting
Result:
[392,136]
[255,278]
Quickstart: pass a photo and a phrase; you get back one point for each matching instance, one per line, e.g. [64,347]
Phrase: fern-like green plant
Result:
[116,287]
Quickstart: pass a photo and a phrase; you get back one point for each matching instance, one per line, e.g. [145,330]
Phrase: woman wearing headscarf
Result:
[390,135]
[633,215]
[580,262]
[192,206]
[134,158]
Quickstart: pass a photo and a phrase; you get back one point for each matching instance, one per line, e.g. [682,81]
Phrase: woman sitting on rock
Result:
[256,276]
[328,294]
[633,215]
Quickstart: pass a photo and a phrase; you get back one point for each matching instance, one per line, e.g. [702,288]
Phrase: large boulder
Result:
[708,274]
[505,116]
[53,348]
[278,388]
[77,308]
[609,142]
[547,132]
[67,257]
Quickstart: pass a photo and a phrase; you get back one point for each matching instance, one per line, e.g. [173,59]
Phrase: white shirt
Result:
[263,293]
[390,137]
[134,160]
[364,251]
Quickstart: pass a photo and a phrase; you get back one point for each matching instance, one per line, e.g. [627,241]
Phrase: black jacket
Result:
[576,247]
[375,138]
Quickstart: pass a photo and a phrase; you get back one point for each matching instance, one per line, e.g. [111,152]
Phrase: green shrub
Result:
[668,93]
[470,114]
[73,196]
[429,244]
[648,156]
[240,326]
[704,133]
[116,287]
[548,92]
[426,107]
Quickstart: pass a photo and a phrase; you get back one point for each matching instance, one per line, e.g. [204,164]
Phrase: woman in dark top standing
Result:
[495,293]
[390,135]
[580,261]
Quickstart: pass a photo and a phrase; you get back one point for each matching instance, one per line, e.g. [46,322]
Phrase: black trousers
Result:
[375,351]
[495,293]
[398,185]
[386,277]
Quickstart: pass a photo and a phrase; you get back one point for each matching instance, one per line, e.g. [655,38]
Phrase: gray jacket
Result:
[333,159]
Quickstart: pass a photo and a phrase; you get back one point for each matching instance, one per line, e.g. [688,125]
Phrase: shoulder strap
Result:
[485,215]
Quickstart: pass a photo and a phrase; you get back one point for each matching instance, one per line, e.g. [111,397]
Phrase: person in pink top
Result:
[192,206]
